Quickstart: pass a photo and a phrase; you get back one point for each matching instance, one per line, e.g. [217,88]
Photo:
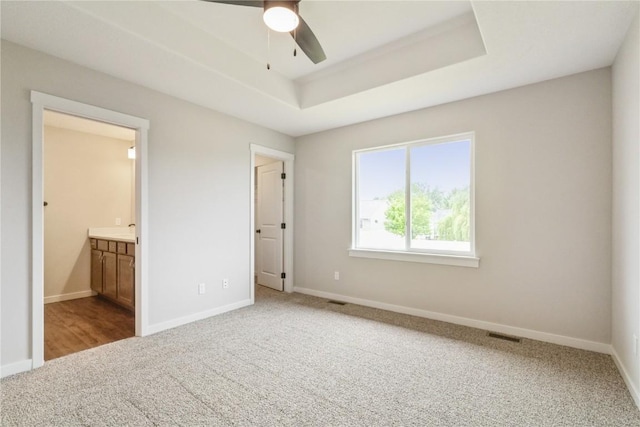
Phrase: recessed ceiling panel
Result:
[383,57]
[344,28]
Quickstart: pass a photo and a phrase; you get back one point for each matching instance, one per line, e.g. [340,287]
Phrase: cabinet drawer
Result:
[131,249]
[103,245]
[112,246]
[122,248]
[94,243]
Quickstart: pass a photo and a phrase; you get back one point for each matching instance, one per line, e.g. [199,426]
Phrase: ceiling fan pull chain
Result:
[295,40]
[268,48]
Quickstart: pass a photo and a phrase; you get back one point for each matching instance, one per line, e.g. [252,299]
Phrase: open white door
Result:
[269,232]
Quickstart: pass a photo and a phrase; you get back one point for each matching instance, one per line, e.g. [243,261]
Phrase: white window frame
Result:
[455,258]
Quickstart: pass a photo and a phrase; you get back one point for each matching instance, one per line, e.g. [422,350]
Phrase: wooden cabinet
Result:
[96,270]
[126,279]
[113,271]
[109,275]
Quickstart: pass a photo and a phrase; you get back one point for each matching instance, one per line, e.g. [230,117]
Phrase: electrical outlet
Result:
[336,275]
[225,283]
[118,221]
[202,288]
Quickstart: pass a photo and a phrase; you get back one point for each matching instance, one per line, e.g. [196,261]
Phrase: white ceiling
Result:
[383,57]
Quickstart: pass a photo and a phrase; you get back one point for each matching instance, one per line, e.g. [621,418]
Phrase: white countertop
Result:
[119,234]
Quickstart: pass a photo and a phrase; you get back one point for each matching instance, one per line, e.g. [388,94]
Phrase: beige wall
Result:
[543,211]
[87,183]
[260,160]
[626,206]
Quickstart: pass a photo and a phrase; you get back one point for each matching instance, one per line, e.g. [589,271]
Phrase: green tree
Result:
[437,198]
[420,212]
[455,227]
[395,213]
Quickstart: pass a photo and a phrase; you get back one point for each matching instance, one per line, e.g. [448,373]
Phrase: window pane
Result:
[440,182]
[381,199]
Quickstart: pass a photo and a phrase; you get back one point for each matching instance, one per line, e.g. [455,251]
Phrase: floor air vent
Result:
[336,302]
[503,337]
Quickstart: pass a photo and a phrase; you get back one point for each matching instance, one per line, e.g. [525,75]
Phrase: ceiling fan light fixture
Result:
[281,16]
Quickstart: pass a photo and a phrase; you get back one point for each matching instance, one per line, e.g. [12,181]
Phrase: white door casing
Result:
[289,170]
[40,102]
[269,234]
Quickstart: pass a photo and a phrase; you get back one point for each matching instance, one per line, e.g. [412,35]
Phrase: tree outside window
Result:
[438,174]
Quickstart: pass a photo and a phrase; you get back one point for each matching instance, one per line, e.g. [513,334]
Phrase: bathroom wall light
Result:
[131,153]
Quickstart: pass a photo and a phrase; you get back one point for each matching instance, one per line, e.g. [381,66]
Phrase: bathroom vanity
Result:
[113,264]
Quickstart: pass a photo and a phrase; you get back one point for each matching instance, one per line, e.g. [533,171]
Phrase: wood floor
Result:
[80,324]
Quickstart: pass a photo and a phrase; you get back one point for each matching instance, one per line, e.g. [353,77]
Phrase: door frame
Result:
[41,102]
[287,240]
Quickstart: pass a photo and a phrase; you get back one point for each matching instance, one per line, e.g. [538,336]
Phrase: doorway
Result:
[43,102]
[270,223]
[89,177]
[271,218]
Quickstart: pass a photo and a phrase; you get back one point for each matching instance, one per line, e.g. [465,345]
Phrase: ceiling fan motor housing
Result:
[289,4]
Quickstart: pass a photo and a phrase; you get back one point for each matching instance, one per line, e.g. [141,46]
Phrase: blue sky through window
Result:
[445,166]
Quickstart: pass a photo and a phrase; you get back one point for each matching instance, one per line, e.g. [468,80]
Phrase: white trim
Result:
[37,234]
[69,296]
[479,324]
[460,261]
[170,324]
[142,233]
[40,102]
[635,394]
[15,368]
[288,160]
[62,105]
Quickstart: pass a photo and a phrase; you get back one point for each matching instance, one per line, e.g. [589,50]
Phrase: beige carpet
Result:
[299,361]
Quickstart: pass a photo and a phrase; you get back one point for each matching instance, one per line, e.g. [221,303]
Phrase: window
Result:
[414,201]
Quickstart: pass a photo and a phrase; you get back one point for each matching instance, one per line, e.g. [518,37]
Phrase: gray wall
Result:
[626,204]
[543,210]
[199,190]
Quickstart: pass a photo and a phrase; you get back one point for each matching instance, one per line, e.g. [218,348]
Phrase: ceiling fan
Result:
[282,16]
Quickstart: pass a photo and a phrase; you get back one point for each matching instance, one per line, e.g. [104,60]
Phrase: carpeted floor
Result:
[297,360]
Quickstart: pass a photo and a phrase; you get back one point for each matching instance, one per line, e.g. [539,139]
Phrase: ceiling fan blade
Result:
[252,3]
[308,42]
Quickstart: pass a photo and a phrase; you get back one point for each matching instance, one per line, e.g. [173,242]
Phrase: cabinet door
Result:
[109,266]
[126,280]
[96,270]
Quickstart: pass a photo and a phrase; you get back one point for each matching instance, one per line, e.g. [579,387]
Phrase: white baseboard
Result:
[70,296]
[479,324]
[626,377]
[159,327]
[16,368]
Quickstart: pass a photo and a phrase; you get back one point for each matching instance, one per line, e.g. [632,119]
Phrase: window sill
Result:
[456,260]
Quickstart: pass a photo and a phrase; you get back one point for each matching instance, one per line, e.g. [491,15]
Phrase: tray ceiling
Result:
[383,57]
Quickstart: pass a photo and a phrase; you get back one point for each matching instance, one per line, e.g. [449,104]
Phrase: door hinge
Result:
[283,275]
[283,175]
[283,225]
